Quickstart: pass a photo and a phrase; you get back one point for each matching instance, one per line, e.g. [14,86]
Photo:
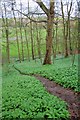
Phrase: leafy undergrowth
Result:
[25,97]
[62,72]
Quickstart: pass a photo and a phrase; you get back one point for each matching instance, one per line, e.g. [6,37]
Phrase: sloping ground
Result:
[62,71]
[66,94]
[25,97]
[71,97]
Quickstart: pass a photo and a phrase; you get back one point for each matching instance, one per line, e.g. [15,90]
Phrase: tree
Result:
[20,24]
[50,20]
[50,16]
[27,44]
[38,41]
[7,35]
[78,4]
[16,34]
[66,27]
[32,41]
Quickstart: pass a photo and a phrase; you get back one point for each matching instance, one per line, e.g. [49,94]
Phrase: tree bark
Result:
[22,43]
[27,45]
[65,32]
[70,47]
[66,38]
[38,41]
[7,36]
[50,17]
[16,35]
[78,3]
[32,44]
[56,39]
[69,33]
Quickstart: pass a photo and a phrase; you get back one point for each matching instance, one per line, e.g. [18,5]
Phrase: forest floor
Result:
[71,97]
[31,81]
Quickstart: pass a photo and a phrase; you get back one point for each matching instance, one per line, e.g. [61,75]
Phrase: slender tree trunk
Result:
[17,36]
[53,51]
[7,36]
[22,43]
[7,46]
[78,35]
[70,48]
[56,39]
[38,42]
[66,38]
[70,38]
[32,44]
[27,43]
[65,31]
[78,3]
[18,45]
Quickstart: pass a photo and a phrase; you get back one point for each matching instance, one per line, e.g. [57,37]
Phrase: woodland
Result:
[40,59]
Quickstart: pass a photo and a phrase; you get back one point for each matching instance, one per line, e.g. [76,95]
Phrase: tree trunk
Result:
[78,3]
[50,16]
[32,44]
[69,32]
[65,30]
[27,45]
[7,36]
[66,37]
[49,37]
[18,45]
[22,42]
[56,39]
[38,41]
[7,46]
[70,47]
[78,35]
[16,35]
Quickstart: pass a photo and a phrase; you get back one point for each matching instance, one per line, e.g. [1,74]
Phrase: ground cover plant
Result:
[62,71]
[25,97]
[40,50]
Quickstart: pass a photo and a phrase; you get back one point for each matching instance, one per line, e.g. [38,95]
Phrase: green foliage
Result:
[61,71]
[13,42]
[67,77]
[42,37]
[25,97]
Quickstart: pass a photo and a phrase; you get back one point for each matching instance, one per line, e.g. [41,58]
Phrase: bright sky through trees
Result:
[33,5]
[46,2]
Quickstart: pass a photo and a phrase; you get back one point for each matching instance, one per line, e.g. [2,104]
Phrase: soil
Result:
[68,95]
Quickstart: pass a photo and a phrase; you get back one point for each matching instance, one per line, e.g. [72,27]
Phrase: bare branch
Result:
[42,6]
[27,15]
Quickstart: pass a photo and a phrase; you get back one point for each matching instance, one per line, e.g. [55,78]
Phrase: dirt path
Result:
[67,95]
[71,97]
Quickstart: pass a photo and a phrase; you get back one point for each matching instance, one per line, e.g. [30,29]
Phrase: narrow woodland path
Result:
[71,97]
[67,95]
